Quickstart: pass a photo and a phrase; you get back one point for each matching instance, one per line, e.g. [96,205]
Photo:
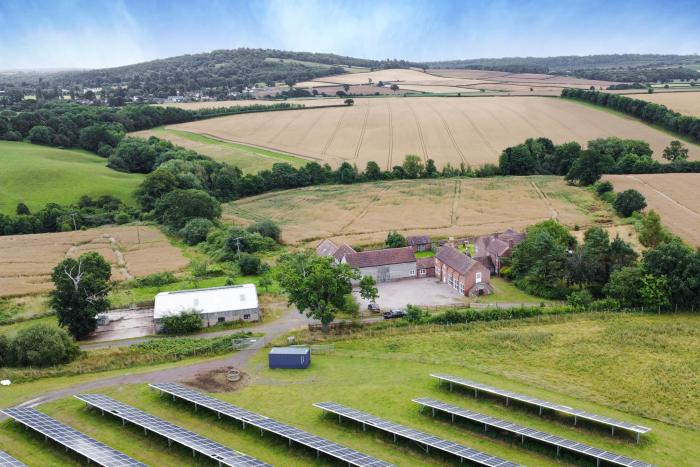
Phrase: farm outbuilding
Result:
[289,357]
[215,304]
[462,273]
[384,265]
[419,242]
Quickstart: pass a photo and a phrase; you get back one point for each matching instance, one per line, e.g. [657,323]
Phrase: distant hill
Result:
[216,73]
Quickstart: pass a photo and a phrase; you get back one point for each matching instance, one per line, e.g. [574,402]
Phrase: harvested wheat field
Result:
[26,261]
[365,213]
[685,102]
[472,131]
[314,102]
[674,196]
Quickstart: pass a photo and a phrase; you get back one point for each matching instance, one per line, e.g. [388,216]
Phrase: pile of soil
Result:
[217,380]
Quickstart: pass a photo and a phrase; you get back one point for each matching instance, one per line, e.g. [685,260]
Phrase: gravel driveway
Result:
[426,292]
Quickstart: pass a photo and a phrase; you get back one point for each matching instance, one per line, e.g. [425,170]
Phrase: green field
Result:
[248,158]
[639,368]
[37,175]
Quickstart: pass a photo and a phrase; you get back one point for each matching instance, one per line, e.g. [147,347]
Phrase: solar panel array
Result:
[325,446]
[544,404]
[72,439]
[7,460]
[525,432]
[189,439]
[430,441]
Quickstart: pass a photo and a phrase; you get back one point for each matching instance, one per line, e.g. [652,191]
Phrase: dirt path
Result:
[553,214]
[289,321]
[665,196]
[121,261]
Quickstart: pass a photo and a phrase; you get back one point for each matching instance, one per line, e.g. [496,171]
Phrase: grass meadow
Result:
[638,368]
[37,175]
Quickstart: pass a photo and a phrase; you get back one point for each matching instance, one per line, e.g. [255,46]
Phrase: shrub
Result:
[266,228]
[579,298]
[186,322]
[628,202]
[40,134]
[157,279]
[196,230]
[415,314]
[42,345]
[603,187]
[4,350]
[350,305]
[395,240]
[249,264]
[122,218]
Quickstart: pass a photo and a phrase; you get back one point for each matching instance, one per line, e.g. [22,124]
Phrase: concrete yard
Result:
[424,292]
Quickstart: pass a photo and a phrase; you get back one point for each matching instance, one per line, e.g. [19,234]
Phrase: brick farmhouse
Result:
[489,250]
[461,272]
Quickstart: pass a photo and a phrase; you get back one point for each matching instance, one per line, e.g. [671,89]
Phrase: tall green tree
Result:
[675,151]
[368,288]
[395,240]
[315,285]
[413,166]
[629,202]
[652,233]
[80,292]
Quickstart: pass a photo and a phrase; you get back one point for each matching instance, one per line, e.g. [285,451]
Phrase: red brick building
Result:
[461,272]
[419,242]
[490,249]
[425,267]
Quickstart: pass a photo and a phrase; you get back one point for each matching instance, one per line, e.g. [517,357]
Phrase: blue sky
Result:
[92,34]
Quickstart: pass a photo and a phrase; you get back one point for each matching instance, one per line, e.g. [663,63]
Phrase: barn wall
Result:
[396,271]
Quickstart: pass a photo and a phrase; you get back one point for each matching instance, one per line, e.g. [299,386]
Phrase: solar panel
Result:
[189,439]
[70,438]
[428,440]
[525,432]
[7,460]
[325,446]
[638,429]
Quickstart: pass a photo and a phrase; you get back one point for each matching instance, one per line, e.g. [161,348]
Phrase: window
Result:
[478,277]
[246,316]
[221,319]
[412,272]
[422,272]
[461,287]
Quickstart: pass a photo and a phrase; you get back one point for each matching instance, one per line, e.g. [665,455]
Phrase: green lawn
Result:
[507,292]
[37,175]
[638,368]
[249,159]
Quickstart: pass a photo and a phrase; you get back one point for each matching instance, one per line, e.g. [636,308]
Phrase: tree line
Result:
[656,114]
[540,156]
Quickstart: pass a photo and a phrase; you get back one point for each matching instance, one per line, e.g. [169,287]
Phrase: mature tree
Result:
[652,233]
[346,87]
[372,171]
[315,285]
[368,288]
[154,186]
[563,157]
[40,134]
[196,230]
[413,166]
[395,240]
[589,167]
[620,254]
[22,209]
[347,173]
[80,292]
[603,187]
[265,281]
[431,170]
[394,87]
[675,151]
[629,202]
[42,345]
[681,267]
[266,228]
[249,264]
[133,155]
[518,160]
[654,291]
[349,102]
[177,207]
[100,133]
[624,286]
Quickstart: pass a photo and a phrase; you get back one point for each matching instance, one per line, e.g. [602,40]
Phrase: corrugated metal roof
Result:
[209,300]
[386,256]
[290,350]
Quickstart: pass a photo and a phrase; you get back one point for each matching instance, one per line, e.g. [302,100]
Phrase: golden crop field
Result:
[458,81]
[26,261]
[673,196]
[472,131]
[685,102]
[315,102]
[365,213]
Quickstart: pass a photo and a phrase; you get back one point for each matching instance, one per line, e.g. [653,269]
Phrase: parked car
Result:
[373,307]
[395,313]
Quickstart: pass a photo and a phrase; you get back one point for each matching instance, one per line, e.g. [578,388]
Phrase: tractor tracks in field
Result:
[365,210]
[335,131]
[362,133]
[455,202]
[665,196]
[553,214]
[391,135]
[476,129]
[420,132]
[451,135]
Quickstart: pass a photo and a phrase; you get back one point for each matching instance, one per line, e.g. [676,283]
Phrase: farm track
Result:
[280,131]
[553,214]
[313,125]
[365,210]
[666,197]
[447,128]
[335,131]
[420,133]
[455,202]
[391,135]
[527,121]
[121,261]
[478,131]
[358,146]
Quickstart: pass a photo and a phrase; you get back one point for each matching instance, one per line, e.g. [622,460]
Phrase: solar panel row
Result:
[428,440]
[72,439]
[524,432]
[325,446]
[7,460]
[613,423]
[189,439]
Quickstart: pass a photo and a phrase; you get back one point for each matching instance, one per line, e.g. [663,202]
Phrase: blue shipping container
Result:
[289,357]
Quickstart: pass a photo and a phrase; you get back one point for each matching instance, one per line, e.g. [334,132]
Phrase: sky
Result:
[96,34]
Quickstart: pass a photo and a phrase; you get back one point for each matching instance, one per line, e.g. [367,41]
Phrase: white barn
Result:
[214,304]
